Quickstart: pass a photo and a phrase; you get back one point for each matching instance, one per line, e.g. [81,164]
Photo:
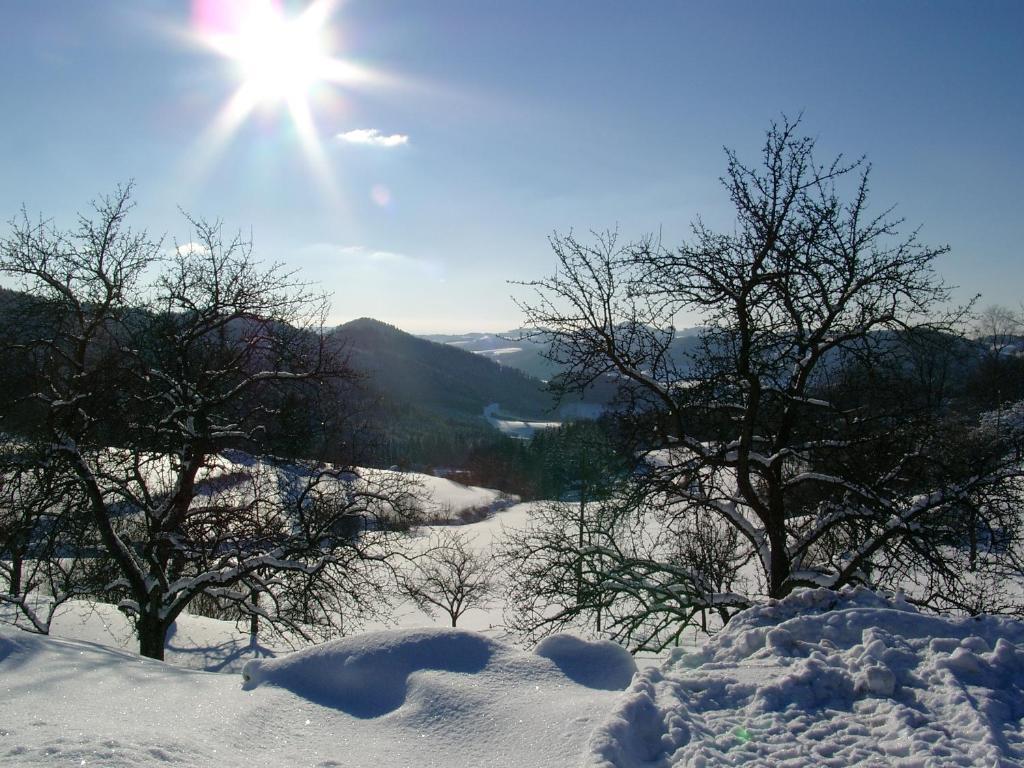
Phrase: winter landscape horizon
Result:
[536,384]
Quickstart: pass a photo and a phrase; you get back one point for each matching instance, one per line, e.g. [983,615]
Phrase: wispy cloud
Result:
[324,256]
[372,137]
[379,257]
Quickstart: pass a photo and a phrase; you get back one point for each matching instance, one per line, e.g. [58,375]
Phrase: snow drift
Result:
[367,675]
[370,675]
[395,699]
[830,679]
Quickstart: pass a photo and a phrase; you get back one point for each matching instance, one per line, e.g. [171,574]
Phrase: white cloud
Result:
[373,138]
[191,249]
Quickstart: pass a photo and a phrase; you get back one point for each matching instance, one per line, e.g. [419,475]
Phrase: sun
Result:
[279,59]
[279,62]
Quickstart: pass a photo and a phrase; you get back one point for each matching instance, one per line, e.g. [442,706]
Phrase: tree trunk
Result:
[580,541]
[152,637]
[254,620]
[780,565]
[16,565]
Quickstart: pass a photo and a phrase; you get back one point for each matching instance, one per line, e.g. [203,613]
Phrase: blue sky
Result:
[513,120]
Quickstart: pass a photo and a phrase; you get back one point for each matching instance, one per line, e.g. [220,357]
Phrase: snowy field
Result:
[449,499]
[428,697]
[517,428]
[818,679]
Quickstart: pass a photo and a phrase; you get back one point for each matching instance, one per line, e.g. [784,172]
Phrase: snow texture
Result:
[425,697]
[829,679]
[818,679]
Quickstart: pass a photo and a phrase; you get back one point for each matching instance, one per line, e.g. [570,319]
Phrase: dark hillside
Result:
[437,377]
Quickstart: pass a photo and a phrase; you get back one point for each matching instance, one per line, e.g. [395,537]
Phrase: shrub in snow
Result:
[451,576]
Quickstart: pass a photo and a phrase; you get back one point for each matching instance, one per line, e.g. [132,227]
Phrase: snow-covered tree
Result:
[144,369]
[800,422]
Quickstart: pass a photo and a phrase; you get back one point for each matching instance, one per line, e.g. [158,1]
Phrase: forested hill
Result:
[438,377]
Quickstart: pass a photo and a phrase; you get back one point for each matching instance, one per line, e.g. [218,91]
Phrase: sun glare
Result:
[279,59]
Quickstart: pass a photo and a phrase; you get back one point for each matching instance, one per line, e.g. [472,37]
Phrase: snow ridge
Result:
[829,679]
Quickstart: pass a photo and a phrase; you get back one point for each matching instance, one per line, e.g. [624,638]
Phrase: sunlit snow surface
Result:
[821,679]
[426,697]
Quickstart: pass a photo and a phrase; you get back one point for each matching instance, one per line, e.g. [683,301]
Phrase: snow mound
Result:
[602,664]
[68,702]
[830,679]
[8,645]
[367,675]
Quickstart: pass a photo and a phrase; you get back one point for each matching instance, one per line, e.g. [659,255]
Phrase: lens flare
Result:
[281,61]
[381,195]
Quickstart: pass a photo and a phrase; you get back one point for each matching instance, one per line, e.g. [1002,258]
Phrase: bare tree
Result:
[776,426]
[452,577]
[632,579]
[997,326]
[552,569]
[1000,374]
[45,542]
[140,389]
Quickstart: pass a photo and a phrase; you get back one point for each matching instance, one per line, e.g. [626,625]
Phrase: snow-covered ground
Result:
[236,472]
[827,679]
[428,697]
[517,428]
[818,679]
[499,351]
[449,499]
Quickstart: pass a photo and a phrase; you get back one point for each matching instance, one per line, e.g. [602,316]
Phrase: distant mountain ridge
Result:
[511,349]
[515,350]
